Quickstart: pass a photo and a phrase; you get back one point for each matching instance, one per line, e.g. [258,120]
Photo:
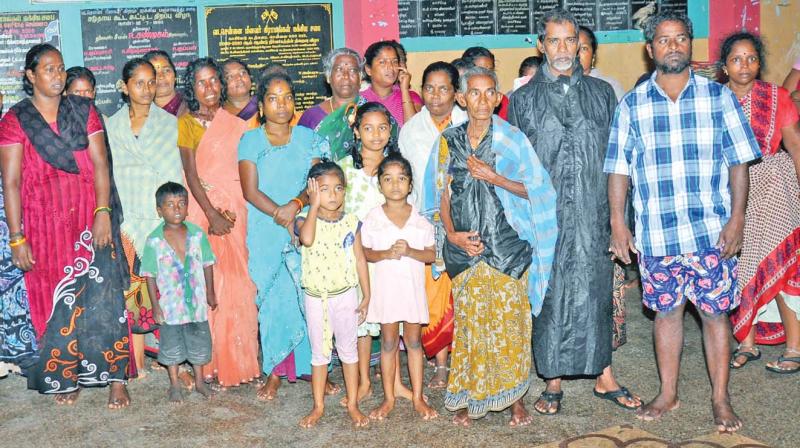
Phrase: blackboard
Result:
[428,18]
[18,33]
[111,37]
[296,36]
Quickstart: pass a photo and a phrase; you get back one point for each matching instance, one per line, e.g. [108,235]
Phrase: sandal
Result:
[550,398]
[778,369]
[744,350]
[614,394]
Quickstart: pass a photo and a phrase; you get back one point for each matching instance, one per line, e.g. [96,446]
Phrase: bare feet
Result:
[332,388]
[363,394]
[175,394]
[118,397]
[439,380]
[462,418]
[401,391]
[724,417]
[657,408]
[204,389]
[187,379]
[310,420]
[69,398]
[269,391]
[359,420]
[425,411]
[141,373]
[382,411]
[519,415]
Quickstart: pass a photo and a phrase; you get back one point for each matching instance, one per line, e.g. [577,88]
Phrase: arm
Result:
[211,295]
[152,289]
[473,247]
[363,278]
[308,229]
[217,224]
[621,237]
[426,255]
[790,83]
[101,227]
[410,108]
[791,141]
[248,175]
[730,239]
[11,166]
[482,171]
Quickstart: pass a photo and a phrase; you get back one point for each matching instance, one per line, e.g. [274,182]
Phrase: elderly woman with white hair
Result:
[331,118]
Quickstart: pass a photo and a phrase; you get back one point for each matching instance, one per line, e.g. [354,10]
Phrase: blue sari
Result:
[274,262]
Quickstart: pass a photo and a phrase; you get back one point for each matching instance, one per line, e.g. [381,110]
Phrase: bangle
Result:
[102,209]
[16,235]
[18,242]
[299,203]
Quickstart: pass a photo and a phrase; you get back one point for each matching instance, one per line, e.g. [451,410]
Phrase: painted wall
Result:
[780,30]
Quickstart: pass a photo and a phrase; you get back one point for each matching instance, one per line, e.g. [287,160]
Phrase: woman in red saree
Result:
[64,220]
[208,138]
[769,280]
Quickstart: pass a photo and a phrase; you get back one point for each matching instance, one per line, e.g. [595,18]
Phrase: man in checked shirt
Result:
[684,142]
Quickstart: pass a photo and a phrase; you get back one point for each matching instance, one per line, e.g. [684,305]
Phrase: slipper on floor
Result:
[550,398]
[614,394]
[776,369]
[748,356]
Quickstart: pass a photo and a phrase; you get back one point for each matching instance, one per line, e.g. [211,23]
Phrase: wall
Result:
[780,30]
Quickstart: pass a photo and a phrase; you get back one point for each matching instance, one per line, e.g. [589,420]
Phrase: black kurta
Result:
[569,132]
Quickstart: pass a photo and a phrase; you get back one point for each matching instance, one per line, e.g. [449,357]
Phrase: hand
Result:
[400,248]
[218,224]
[22,256]
[730,239]
[796,96]
[211,299]
[295,240]
[469,242]
[621,244]
[314,199]
[481,170]
[404,78]
[101,230]
[158,315]
[284,215]
[362,310]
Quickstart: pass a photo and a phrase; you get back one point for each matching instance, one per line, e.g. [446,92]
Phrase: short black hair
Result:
[733,39]
[444,67]
[375,48]
[529,62]
[396,158]
[267,78]
[78,72]
[170,189]
[557,15]
[666,16]
[460,64]
[327,167]
[32,58]
[127,72]
[472,53]
[391,145]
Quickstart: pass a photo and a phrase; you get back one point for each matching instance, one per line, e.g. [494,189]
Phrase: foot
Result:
[364,392]
[68,399]
[789,362]
[310,420]
[204,389]
[382,411]
[187,379]
[724,417]
[519,415]
[462,418]
[214,384]
[743,355]
[620,396]
[332,388]
[118,397]
[401,391]
[425,411]
[154,365]
[549,402]
[175,394]
[140,374]
[439,380]
[359,419]
[269,391]
[657,408]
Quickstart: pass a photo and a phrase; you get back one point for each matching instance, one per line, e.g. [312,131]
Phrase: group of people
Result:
[488,228]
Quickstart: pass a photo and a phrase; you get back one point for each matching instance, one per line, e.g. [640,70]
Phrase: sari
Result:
[416,140]
[282,172]
[234,327]
[75,291]
[142,164]
[393,102]
[176,106]
[249,113]
[334,126]
[770,255]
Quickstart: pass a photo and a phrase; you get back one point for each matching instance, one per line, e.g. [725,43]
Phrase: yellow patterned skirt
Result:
[491,357]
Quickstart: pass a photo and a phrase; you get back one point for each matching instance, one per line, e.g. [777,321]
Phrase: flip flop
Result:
[614,394]
[748,356]
[550,398]
[795,359]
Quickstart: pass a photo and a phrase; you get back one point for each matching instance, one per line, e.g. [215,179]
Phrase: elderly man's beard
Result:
[562,63]
[673,63]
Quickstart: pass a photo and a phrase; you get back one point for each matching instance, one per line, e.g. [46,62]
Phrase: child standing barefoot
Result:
[333,266]
[177,262]
[399,241]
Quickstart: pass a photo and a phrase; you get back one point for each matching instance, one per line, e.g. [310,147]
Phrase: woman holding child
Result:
[207,138]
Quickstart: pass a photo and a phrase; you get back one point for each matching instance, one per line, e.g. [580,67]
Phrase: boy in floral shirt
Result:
[177,262]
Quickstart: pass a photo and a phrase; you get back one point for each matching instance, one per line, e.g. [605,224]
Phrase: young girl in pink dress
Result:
[399,241]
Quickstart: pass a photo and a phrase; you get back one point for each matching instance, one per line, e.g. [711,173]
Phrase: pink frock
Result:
[398,286]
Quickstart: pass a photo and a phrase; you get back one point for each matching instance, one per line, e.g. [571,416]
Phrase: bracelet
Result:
[102,209]
[18,242]
[299,202]
[16,235]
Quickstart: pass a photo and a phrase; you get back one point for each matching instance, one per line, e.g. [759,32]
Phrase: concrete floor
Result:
[767,402]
